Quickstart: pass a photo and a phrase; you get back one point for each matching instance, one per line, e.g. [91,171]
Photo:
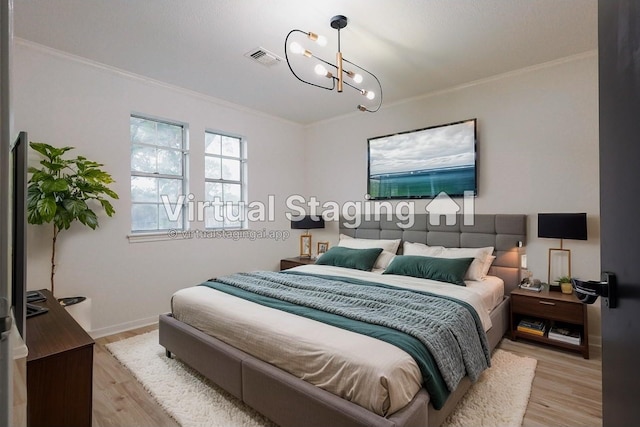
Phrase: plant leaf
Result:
[108,207]
[33,216]
[46,208]
[33,195]
[74,206]
[63,219]
[88,218]
[44,149]
[38,175]
[53,166]
[54,185]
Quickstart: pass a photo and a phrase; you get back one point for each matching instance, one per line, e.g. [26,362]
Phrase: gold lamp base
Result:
[305,245]
[560,253]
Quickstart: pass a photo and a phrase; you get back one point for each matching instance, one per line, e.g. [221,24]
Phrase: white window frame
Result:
[242,158]
[140,235]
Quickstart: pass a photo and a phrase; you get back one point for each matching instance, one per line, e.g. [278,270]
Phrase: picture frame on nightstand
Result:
[322,247]
[305,246]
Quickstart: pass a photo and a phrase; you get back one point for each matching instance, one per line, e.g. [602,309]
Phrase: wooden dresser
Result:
[59,369]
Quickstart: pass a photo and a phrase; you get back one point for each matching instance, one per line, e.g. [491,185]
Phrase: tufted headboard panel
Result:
[502,231]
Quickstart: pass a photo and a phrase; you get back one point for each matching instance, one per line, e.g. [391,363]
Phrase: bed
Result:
[276,389]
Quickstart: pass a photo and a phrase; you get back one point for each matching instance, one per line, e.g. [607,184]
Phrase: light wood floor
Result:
[567,389]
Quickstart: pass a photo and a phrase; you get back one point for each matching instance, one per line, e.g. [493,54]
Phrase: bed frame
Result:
[291,402]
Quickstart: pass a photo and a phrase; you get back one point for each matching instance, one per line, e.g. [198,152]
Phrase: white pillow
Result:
[476,269]
[353,243]
[389,248]
[384,259]
[487,265]
[420,249]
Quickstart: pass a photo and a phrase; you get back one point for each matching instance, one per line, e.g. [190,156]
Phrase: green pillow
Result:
[359,259]
[450,270]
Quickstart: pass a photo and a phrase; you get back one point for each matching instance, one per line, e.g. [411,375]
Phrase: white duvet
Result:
[374,374]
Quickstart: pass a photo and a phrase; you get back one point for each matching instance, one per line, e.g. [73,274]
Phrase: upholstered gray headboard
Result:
[502,231]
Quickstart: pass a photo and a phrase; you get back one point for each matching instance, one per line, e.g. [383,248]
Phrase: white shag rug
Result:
[499,398]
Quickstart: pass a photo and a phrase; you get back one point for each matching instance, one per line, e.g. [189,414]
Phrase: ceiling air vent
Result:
[263,56]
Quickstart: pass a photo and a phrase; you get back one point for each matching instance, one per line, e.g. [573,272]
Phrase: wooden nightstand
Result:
[295,262]
[550,307]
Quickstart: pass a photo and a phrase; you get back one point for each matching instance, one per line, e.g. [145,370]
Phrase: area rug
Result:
[499,398]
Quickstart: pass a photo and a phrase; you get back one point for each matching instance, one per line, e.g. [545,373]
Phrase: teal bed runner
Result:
[443,335]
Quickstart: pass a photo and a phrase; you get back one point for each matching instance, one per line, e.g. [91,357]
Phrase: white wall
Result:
[62,100]
[537,150]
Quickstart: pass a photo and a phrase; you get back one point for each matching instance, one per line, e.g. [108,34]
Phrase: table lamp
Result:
[306,223]
[572,226]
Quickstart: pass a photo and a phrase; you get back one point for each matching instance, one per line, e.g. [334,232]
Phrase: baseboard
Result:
[123,327]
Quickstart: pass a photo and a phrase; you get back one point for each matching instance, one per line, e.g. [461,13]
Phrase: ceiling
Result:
[414,47]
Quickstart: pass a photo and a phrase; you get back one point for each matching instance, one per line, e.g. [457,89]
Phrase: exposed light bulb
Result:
[368,94]
[321,40]
[354,76]
[296,48]
[322,71]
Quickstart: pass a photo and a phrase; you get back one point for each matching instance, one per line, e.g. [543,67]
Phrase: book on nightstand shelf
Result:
[532,326]
[565,333]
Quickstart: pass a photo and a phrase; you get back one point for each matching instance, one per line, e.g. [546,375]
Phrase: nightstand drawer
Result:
[548,308]
[288,263]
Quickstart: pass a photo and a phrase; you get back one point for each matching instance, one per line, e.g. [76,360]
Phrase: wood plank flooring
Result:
[118,398]
[567,389]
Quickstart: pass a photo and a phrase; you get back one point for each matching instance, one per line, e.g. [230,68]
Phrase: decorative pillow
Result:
[389,247]
[450,270]
[477,266]
[487,265]
[359,259]
[409,248]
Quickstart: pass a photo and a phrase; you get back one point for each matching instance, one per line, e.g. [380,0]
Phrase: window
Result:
[158,155]
[224,172]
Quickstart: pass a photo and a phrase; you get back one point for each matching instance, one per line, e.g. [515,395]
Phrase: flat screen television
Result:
[423,163]
[19,231]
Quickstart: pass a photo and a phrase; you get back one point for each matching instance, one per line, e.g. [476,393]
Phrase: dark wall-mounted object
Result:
[571,226]
[19,231]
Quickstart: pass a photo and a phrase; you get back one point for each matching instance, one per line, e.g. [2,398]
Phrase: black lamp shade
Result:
[571,226]
[307,222]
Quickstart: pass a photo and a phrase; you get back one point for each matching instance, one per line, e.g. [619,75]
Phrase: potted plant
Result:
[565,284]
[63,190]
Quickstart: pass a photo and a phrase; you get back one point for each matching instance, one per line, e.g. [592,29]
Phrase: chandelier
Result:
[342,73]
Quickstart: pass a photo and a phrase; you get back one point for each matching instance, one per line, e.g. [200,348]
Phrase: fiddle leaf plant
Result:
[65,190]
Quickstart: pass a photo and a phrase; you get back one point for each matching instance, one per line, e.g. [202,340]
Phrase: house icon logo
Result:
[443,205]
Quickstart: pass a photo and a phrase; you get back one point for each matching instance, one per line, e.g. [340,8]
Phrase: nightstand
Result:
[550,307]
[295,262]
